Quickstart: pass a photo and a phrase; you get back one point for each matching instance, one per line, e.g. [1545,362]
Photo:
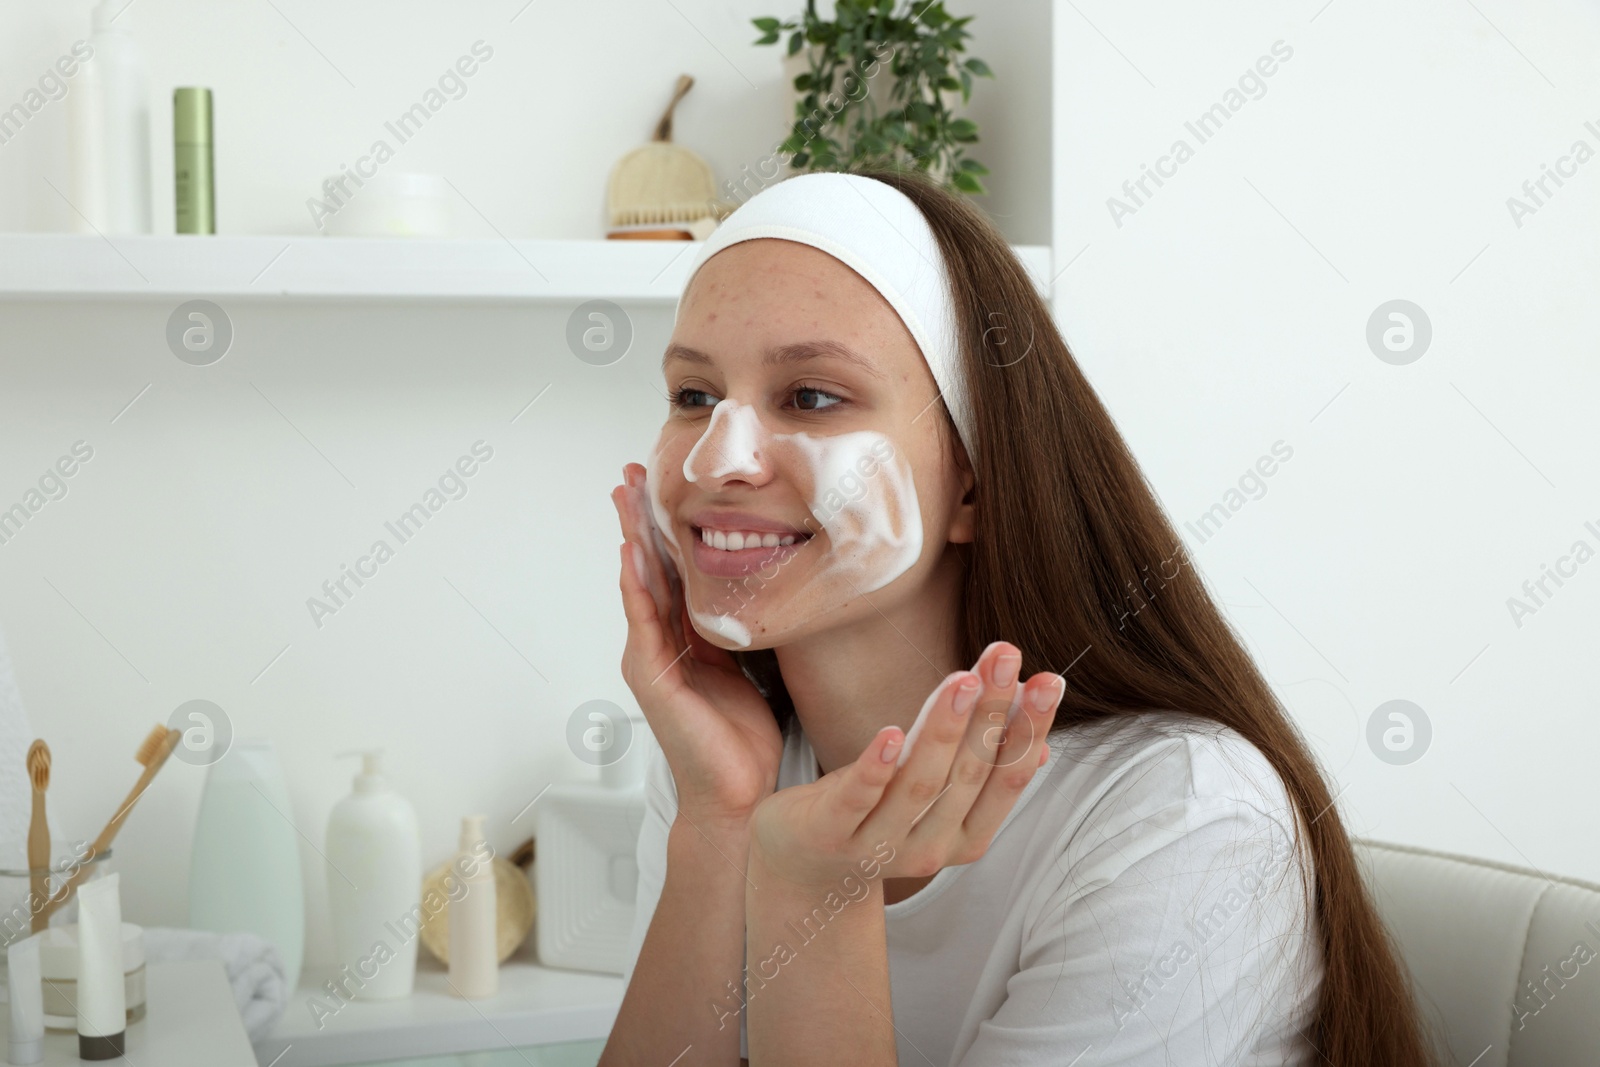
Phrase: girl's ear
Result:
[963,521]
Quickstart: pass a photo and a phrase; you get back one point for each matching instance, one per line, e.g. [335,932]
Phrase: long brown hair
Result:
[1108,603]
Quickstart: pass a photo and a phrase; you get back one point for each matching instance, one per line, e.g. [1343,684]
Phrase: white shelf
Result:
[190,1021]
[73,266]
[534,1006]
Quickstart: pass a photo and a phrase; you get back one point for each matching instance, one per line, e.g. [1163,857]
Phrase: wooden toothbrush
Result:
[153,752]
[38,763]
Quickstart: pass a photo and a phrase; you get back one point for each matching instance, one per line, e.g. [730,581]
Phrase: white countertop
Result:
[535,1006]
[190,1021]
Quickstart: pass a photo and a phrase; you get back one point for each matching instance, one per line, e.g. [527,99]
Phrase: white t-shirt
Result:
[1139,906]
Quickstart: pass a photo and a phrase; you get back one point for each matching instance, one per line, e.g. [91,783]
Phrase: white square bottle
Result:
[586,875]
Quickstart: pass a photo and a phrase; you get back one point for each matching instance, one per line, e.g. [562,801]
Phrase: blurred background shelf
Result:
[563,1011]
[72,266]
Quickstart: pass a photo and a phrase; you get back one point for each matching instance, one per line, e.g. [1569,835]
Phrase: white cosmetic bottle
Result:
[474,951]
[375,882]
[110,129]
[587,879]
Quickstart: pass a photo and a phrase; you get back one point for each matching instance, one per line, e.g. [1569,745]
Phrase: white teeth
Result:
[738,540]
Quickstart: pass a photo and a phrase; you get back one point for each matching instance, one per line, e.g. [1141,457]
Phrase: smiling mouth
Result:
[745,540]
[716,556]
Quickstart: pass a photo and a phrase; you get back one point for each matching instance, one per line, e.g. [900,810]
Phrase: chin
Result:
[735,627]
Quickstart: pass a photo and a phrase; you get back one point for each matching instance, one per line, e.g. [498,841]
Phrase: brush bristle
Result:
[150,747]
[39,765]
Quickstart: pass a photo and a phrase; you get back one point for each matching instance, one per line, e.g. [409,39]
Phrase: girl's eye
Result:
[807,399]
[813,399]
[680,397]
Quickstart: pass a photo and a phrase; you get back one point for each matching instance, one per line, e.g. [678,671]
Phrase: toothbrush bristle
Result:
[39,766]
[150,747]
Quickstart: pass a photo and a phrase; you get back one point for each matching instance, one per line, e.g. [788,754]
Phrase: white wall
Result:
[1230,311]
[179,563]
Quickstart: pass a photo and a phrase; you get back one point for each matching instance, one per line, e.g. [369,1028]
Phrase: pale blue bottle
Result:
[244,873]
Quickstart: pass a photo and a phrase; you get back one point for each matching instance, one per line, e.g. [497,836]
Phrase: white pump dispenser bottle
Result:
[375,884]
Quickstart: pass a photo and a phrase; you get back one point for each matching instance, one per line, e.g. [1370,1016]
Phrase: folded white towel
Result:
[255,971]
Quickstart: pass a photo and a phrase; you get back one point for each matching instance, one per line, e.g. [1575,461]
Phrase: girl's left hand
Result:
[941,808]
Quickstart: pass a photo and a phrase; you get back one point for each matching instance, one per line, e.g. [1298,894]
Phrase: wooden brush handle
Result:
[38,863]
[664,127]
[103,842]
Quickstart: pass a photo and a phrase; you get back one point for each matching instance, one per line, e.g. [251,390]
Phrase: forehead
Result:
[767,293]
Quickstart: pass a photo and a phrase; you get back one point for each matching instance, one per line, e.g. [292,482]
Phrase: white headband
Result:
[878,232]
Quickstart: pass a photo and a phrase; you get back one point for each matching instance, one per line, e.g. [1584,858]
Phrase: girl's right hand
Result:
[718,733]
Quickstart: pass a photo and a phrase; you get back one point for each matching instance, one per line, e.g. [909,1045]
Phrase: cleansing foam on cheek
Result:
[866,503]
[661,524]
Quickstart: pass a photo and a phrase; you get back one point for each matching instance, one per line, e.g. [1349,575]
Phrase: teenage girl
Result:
[886,502]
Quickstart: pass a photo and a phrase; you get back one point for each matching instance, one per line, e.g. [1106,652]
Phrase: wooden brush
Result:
[153,752]
[38,763]
[663,191]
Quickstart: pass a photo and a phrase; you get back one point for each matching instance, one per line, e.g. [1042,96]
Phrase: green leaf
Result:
[796,39]
[767,25]
[964,130]
[979,67]
[966,182]
[803,82]
[800,160]
[948,83]
[972,166]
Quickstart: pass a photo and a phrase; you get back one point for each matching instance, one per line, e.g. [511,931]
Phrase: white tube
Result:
[27,1002]
[102,1001]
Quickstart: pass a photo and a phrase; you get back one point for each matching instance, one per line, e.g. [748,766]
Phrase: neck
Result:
[849,682]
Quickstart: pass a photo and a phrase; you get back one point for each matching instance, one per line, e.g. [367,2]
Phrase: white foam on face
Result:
[861,494]
[875,536]
[661,529]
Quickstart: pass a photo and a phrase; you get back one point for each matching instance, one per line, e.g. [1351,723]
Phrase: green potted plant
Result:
[877,86]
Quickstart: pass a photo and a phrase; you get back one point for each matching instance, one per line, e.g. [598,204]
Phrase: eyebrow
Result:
[780,355]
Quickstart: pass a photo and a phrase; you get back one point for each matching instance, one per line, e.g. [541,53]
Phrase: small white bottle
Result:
[110,129]
[474,953]
[375,884]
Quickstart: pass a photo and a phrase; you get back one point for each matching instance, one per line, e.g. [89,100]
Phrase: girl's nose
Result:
[733,447]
